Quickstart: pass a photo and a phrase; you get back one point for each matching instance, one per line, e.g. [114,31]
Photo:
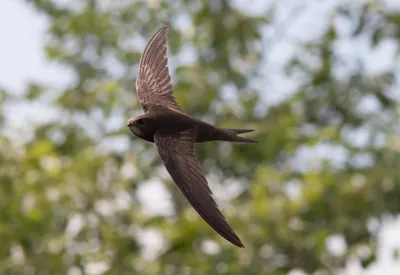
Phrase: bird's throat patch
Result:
[136,131]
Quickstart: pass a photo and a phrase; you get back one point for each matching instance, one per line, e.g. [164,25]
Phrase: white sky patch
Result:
[369,105]
[22,56]
[152,242]
[388,242]
[392,4]
[96,268]
[210,247]
[75,224]
[356,137]
[17,254]
[381,58]
[105,208]
[117,144]
[155,198]
[309,158]
[336,245]
[128,170]
[297,272]
[74,271]
[224,189]
[293,189]
[123,200]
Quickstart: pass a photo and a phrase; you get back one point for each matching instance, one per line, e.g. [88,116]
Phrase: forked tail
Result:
[227,134]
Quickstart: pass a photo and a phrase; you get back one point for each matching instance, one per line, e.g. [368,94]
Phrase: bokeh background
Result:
[318,80]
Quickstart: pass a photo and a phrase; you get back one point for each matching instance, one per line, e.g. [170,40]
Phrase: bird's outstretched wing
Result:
[153,84]
[178,153]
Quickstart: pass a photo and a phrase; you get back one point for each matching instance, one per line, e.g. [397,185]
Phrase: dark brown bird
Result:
[175,133]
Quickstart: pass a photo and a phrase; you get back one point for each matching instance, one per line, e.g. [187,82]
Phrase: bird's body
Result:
[160,118]
[175,133]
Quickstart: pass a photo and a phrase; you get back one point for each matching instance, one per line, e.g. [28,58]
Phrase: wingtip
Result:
[231,237]
[162,32]
[165,27]
[236,241]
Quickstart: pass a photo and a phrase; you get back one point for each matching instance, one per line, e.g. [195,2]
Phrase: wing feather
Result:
[178,153]
[153,84]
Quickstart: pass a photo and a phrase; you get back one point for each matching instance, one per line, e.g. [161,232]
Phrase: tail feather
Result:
[239,131]
[226,134]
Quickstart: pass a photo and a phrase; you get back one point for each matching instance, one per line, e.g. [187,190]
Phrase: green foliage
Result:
[67,201]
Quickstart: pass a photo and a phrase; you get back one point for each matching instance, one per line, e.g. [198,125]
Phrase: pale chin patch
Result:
[136,131]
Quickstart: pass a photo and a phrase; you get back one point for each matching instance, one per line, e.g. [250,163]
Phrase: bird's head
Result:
[137,125]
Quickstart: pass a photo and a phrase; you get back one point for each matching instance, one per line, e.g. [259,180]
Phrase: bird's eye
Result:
[140,121]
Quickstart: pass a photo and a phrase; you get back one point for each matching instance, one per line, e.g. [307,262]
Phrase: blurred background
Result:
[318,80]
